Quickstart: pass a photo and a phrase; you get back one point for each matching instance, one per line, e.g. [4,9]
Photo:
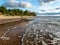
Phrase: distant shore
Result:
[7,19]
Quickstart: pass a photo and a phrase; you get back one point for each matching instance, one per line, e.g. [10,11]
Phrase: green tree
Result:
[3,9]
[26,12]
[17,12]
[33,14]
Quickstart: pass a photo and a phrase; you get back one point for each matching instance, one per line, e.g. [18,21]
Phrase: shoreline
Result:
[4,27]
[8,19]
[10,33]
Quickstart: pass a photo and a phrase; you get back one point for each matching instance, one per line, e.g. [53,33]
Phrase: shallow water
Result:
[42,31]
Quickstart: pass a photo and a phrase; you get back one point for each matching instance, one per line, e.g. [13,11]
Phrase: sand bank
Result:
[7,19]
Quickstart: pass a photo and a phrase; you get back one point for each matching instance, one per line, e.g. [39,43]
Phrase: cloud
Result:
[50,7]
[45,1]
[43,10]
[15,3]
[25,4]
[57,8]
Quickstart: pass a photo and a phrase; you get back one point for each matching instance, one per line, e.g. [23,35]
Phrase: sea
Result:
[43,27]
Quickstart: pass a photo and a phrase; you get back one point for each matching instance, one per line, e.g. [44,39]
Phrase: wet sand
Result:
[13,31]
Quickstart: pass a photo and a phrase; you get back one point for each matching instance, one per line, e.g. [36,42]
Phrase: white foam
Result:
[4,38]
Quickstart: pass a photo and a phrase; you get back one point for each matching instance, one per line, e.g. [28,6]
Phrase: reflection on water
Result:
[42,31]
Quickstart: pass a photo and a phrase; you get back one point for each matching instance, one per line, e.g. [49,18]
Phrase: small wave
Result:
[42,31]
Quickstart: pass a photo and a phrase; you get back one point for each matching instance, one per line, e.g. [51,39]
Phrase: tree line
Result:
[16,12]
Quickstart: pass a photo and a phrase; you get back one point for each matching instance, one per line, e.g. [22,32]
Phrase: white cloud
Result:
[45,1]
[26,4]
[49,7]
[15,3]
[50,11]
[48,3]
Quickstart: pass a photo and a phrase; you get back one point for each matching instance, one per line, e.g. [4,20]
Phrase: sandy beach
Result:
[12,27]
[7,22]
[7,19]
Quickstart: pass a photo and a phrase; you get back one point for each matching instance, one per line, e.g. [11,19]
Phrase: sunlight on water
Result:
[42,31]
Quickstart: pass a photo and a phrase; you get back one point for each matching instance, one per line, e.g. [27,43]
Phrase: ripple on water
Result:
[42,31]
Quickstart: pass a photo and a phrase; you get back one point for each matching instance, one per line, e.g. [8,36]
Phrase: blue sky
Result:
[40,6]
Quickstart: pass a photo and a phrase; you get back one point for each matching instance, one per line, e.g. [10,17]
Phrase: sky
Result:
[53,6]
[21,4]
[40,6]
